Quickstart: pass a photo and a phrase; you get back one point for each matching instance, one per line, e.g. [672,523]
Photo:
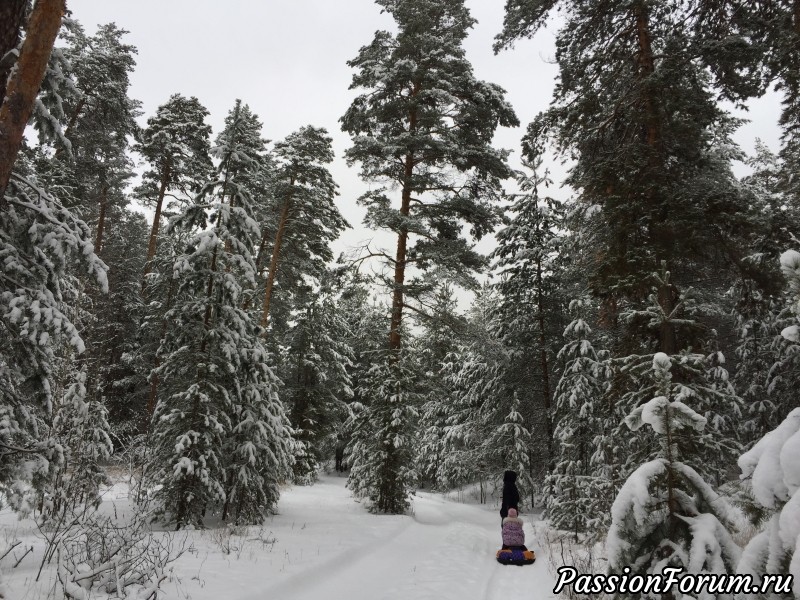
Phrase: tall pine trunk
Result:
[12,14]
[152,243]
[151,253]
[152,395]
[275,260]
[667,294]
[545,367]
[23,85]
[101,220]
[395,341]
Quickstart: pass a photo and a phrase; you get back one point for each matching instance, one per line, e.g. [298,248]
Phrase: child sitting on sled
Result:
[513,535]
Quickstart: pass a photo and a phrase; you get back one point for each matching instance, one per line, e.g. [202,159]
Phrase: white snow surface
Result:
[791,333]
[790,259]
[774,462]
[662,361]
[324,545]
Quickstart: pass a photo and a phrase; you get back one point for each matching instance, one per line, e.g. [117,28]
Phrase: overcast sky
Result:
[287,60]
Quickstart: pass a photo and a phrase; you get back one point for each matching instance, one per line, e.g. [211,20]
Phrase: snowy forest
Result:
[174,310]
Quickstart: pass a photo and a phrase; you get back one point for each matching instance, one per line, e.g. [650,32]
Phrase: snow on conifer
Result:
[381,451]
[317,382]
[43,248]
[579,487]
[222,438]
[773,468]
[665,514]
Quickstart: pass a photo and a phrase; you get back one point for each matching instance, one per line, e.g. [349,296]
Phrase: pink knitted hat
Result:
[512,512]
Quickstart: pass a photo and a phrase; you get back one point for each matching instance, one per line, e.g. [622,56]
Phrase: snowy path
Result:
[324,546]
[445,551]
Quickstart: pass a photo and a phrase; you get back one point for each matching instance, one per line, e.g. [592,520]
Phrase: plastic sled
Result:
[515,555]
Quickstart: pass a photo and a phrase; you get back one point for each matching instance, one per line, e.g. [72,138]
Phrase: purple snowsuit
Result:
[513,535]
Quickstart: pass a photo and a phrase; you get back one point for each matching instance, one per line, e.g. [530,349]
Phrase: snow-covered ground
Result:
[324,546]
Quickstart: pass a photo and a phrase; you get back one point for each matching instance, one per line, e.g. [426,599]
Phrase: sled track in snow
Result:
[444,551]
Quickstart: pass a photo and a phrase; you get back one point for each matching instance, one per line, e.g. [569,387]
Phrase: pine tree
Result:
[425,124]
[636,104]
[306,216]
[175,143]
[46,251]
[100,120]
[92,159]
[12,17]
[22,85]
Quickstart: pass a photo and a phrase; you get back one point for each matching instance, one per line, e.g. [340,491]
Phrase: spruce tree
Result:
[531,304]
[485,432]
[44,247]
[317,382]
[763,375]
[665,514]
[701,379]
[424,123]
[381,450]
[772,467]
[222,439]
[364,318]
[441,327]
[585,465]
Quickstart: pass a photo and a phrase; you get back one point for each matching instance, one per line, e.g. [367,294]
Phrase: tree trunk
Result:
[395,340]
[209,293]
[24,83]
[152,244]
[647,69]
[662,234]
[276,251]
[544,365]
[153,393]
[101,220]
[667,297]
[12,15]
[71,123]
